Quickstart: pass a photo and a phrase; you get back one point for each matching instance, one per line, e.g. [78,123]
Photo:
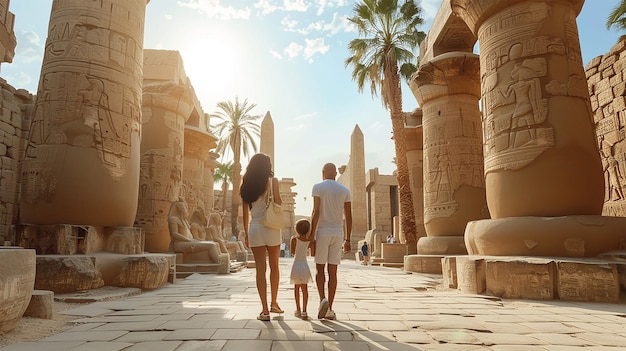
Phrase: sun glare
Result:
[211,63]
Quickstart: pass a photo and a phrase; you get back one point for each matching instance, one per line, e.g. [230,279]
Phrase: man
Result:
[331,202]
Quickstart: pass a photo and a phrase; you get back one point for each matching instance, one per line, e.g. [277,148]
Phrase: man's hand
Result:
[346,246]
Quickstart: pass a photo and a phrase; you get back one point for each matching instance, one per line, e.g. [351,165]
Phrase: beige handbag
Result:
[273,212]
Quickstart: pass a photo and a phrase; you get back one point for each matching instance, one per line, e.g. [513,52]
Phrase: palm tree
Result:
[388,36]
[224,173]
[617,17]
[236,130]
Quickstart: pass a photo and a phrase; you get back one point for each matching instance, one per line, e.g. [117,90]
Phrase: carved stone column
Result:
[197,145]
[82,158]
[166,106]
[542,166]
[447,89]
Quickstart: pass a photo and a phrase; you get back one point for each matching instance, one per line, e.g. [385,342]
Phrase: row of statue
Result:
[200,233]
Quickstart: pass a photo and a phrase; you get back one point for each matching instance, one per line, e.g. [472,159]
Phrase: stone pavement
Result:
[377,309]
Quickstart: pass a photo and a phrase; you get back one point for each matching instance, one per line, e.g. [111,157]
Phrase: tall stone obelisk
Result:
[267,137]
[357,183]
[82,158]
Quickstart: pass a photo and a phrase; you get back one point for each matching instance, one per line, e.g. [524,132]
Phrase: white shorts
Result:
[328,249]
[260,235]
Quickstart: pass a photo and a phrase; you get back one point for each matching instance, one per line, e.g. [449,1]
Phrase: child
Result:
[300,272]
[364,252]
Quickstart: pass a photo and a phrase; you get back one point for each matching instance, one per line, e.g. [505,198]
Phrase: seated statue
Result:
[215,231]
[198,224]
[182,239]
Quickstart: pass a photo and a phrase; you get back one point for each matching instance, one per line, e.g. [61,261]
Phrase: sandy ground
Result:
[32,329]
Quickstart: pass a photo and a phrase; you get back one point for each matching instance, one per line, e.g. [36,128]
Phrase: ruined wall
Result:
[16,111]
[607,87]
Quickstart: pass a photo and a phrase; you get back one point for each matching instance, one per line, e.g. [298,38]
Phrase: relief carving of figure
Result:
[528,110]
[616,181]
[182,239]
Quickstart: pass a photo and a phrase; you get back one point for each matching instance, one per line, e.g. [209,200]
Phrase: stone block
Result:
[470,274]
[608,72]
[17,278]
[587,281]
[605,97]
[91,240]
[589,72]
[63,274]
[66,239]
[594,62]
[41,305]
[616,78]
[520,278]
[607,62]
[124,240]
[393,252]
[423,263]
[448,269]
[144,272]
[593,77]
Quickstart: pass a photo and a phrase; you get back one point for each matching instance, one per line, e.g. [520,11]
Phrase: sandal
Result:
[263,317]
[298,314]
[303,315]
[276,309]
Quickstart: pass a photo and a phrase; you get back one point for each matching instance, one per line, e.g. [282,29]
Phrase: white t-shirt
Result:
[332,197]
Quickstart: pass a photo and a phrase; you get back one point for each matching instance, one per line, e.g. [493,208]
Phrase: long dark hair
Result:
[255,180]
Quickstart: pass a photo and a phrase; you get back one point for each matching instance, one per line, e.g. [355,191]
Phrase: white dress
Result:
[300,271]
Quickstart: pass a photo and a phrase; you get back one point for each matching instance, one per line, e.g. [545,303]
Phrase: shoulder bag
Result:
[273,211]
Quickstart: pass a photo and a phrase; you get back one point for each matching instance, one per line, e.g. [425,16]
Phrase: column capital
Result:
[447,74]
[475,12]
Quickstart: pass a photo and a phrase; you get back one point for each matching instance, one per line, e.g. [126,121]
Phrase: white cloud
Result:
[306,116]
[296,5]
[339,23]
[323,4]
[314,46]
[168,17]
[266,7]
[276,54]
[289,25]
[296,127]
[293,50]
[29,48]
[213,9]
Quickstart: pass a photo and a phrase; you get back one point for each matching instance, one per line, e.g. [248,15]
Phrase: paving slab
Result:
[378,309]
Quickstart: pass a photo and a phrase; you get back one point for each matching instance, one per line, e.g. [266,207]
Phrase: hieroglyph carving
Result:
[96,103]
[454,158]
[515,90]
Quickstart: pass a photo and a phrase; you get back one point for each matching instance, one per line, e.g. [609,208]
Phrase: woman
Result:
[261,239]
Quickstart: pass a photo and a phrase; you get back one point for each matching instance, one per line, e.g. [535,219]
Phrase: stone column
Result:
[414,135]
[288,197]
[82,158]
[447,89]
[166,107]
[209,170]
[544,179]
[197,145]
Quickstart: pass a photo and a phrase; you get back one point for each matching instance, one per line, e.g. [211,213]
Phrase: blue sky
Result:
[285,56]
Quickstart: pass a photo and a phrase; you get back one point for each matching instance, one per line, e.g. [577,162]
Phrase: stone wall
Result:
[16,110]
[607,87]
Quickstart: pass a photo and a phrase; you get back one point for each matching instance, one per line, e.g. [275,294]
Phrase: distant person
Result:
[365,253]
[300,274]
[331,202]
[258,237]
